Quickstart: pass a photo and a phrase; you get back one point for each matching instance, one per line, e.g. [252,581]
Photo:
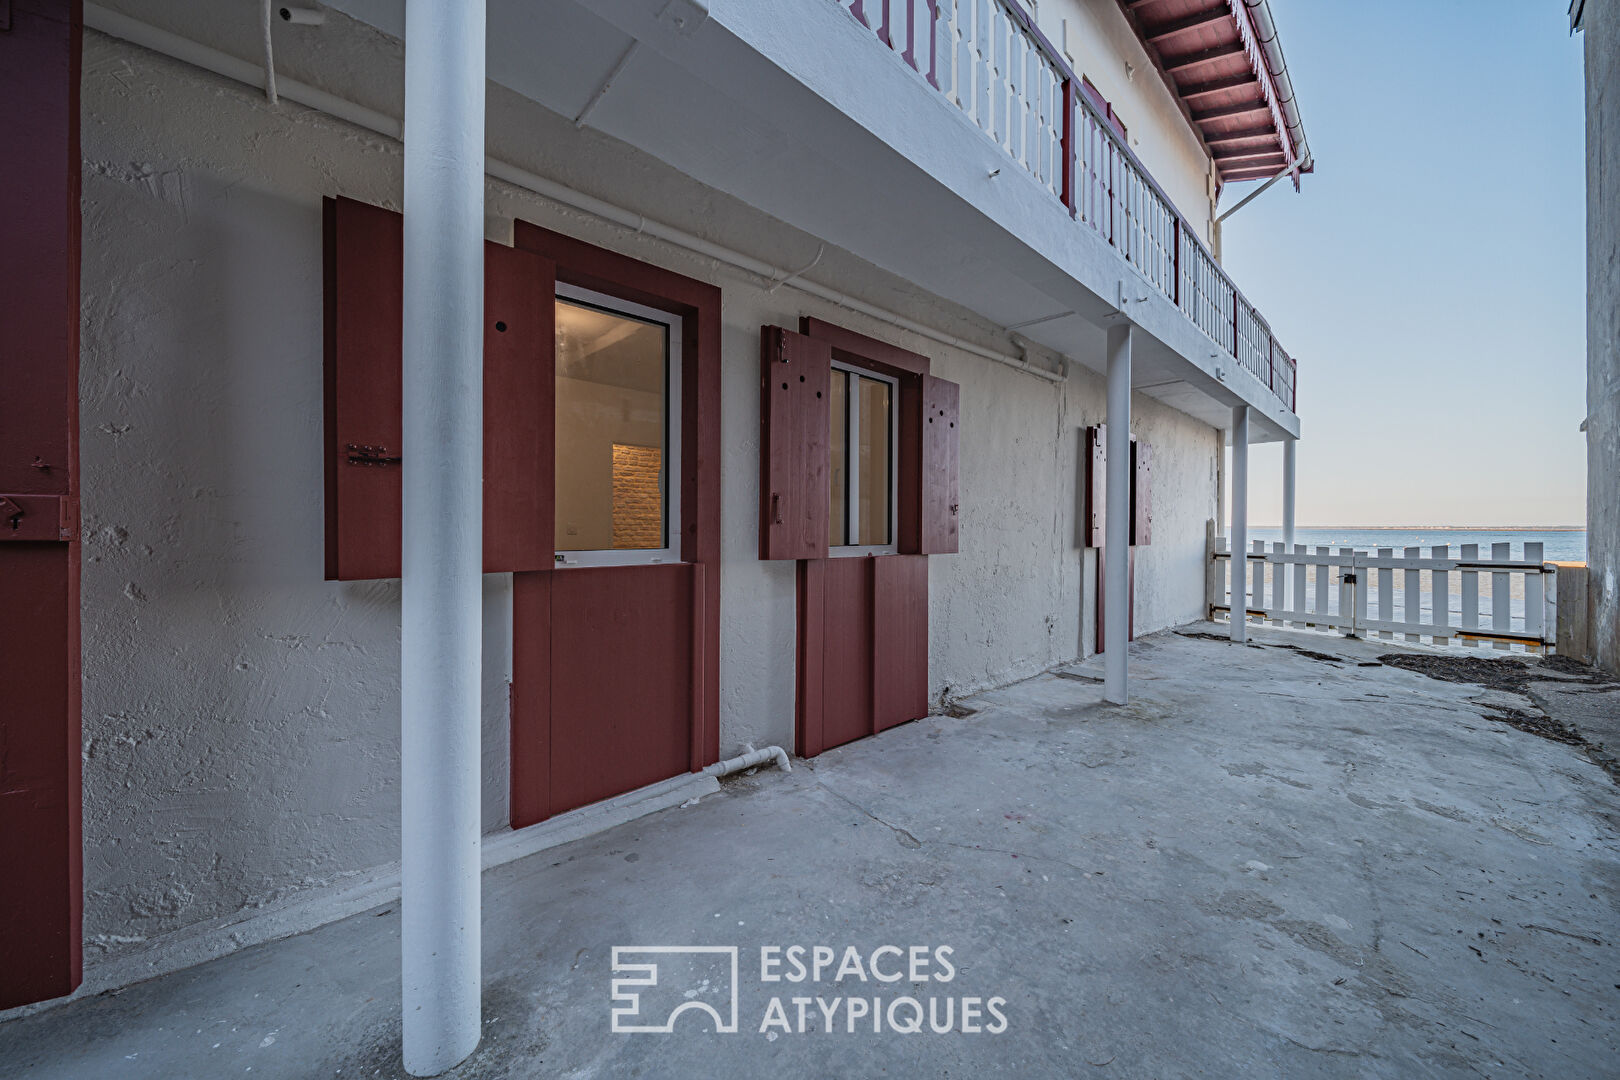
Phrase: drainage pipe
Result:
[441,584]
[751,759]
[198,55]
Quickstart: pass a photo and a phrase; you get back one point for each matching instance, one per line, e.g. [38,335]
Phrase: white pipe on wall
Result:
[441,606]
[1117,527]
[183,49]
[1240,523]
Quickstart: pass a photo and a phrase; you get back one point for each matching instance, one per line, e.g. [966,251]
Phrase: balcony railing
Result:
[994,64]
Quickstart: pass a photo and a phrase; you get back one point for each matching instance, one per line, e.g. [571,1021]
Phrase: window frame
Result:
[852,473]
[670,473]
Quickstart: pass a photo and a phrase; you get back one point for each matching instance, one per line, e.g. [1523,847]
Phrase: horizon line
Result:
[1440,528]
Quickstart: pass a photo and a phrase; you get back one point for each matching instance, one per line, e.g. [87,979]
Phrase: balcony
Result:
[942,142]
[989,60]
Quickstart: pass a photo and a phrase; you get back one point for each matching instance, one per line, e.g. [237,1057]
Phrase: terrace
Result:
[1304,862]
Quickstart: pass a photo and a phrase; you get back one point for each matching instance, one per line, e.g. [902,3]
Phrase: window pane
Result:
[839,424]
[612,424]
[873,445]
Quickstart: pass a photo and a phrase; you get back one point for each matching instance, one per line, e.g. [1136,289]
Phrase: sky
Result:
[1430,276]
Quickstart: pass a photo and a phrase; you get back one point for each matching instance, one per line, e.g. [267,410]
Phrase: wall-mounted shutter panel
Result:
[941,432]
[795,459]
[1141,493]
[364,383]
[365,267]
[520,412]
[1096,491]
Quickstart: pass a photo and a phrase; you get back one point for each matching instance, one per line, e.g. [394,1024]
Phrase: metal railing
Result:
[993,63]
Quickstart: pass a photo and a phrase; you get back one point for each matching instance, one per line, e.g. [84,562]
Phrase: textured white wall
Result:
[1602,21]
[241,713]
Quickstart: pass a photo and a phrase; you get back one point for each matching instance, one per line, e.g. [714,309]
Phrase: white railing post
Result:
[1349,590]
[1386,592]
[1549,621]
[1279,585]
[1412,595]
[1470,593]
[1324,572]
[1363,587]
[1501,593]
[1440,591]
[1298,606]
[1258,571]
[1533,598]
[1240,521]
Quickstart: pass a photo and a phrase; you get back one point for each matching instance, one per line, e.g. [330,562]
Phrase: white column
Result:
[441,627]
[1290,465]
[1117,526]
[1290,447]
[1240,523]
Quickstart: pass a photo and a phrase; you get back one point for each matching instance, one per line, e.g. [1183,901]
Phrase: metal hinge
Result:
[360,454]
[37,517]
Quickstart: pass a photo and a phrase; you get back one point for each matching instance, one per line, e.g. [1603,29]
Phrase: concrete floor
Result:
[1267,865]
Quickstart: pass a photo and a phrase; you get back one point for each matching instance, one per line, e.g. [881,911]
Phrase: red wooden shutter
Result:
[1141,493]
[520,412]
[794,455]
[941,409]
[364,312]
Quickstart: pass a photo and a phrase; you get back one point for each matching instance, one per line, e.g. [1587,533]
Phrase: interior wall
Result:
[599,417]
[241,713]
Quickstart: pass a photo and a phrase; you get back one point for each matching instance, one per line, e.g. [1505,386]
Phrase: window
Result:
[618,431]
[865,447]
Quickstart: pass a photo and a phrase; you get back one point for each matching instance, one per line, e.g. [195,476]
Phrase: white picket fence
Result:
[1362,594]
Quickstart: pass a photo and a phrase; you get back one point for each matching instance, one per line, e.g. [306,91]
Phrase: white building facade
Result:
[955,211]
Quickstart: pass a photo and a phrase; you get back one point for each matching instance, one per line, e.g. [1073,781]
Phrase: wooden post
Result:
[1386,593]
[1501,594]
[1440,595]
[1070,157]
[1534,593]
[1349,589]
[1470,592]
